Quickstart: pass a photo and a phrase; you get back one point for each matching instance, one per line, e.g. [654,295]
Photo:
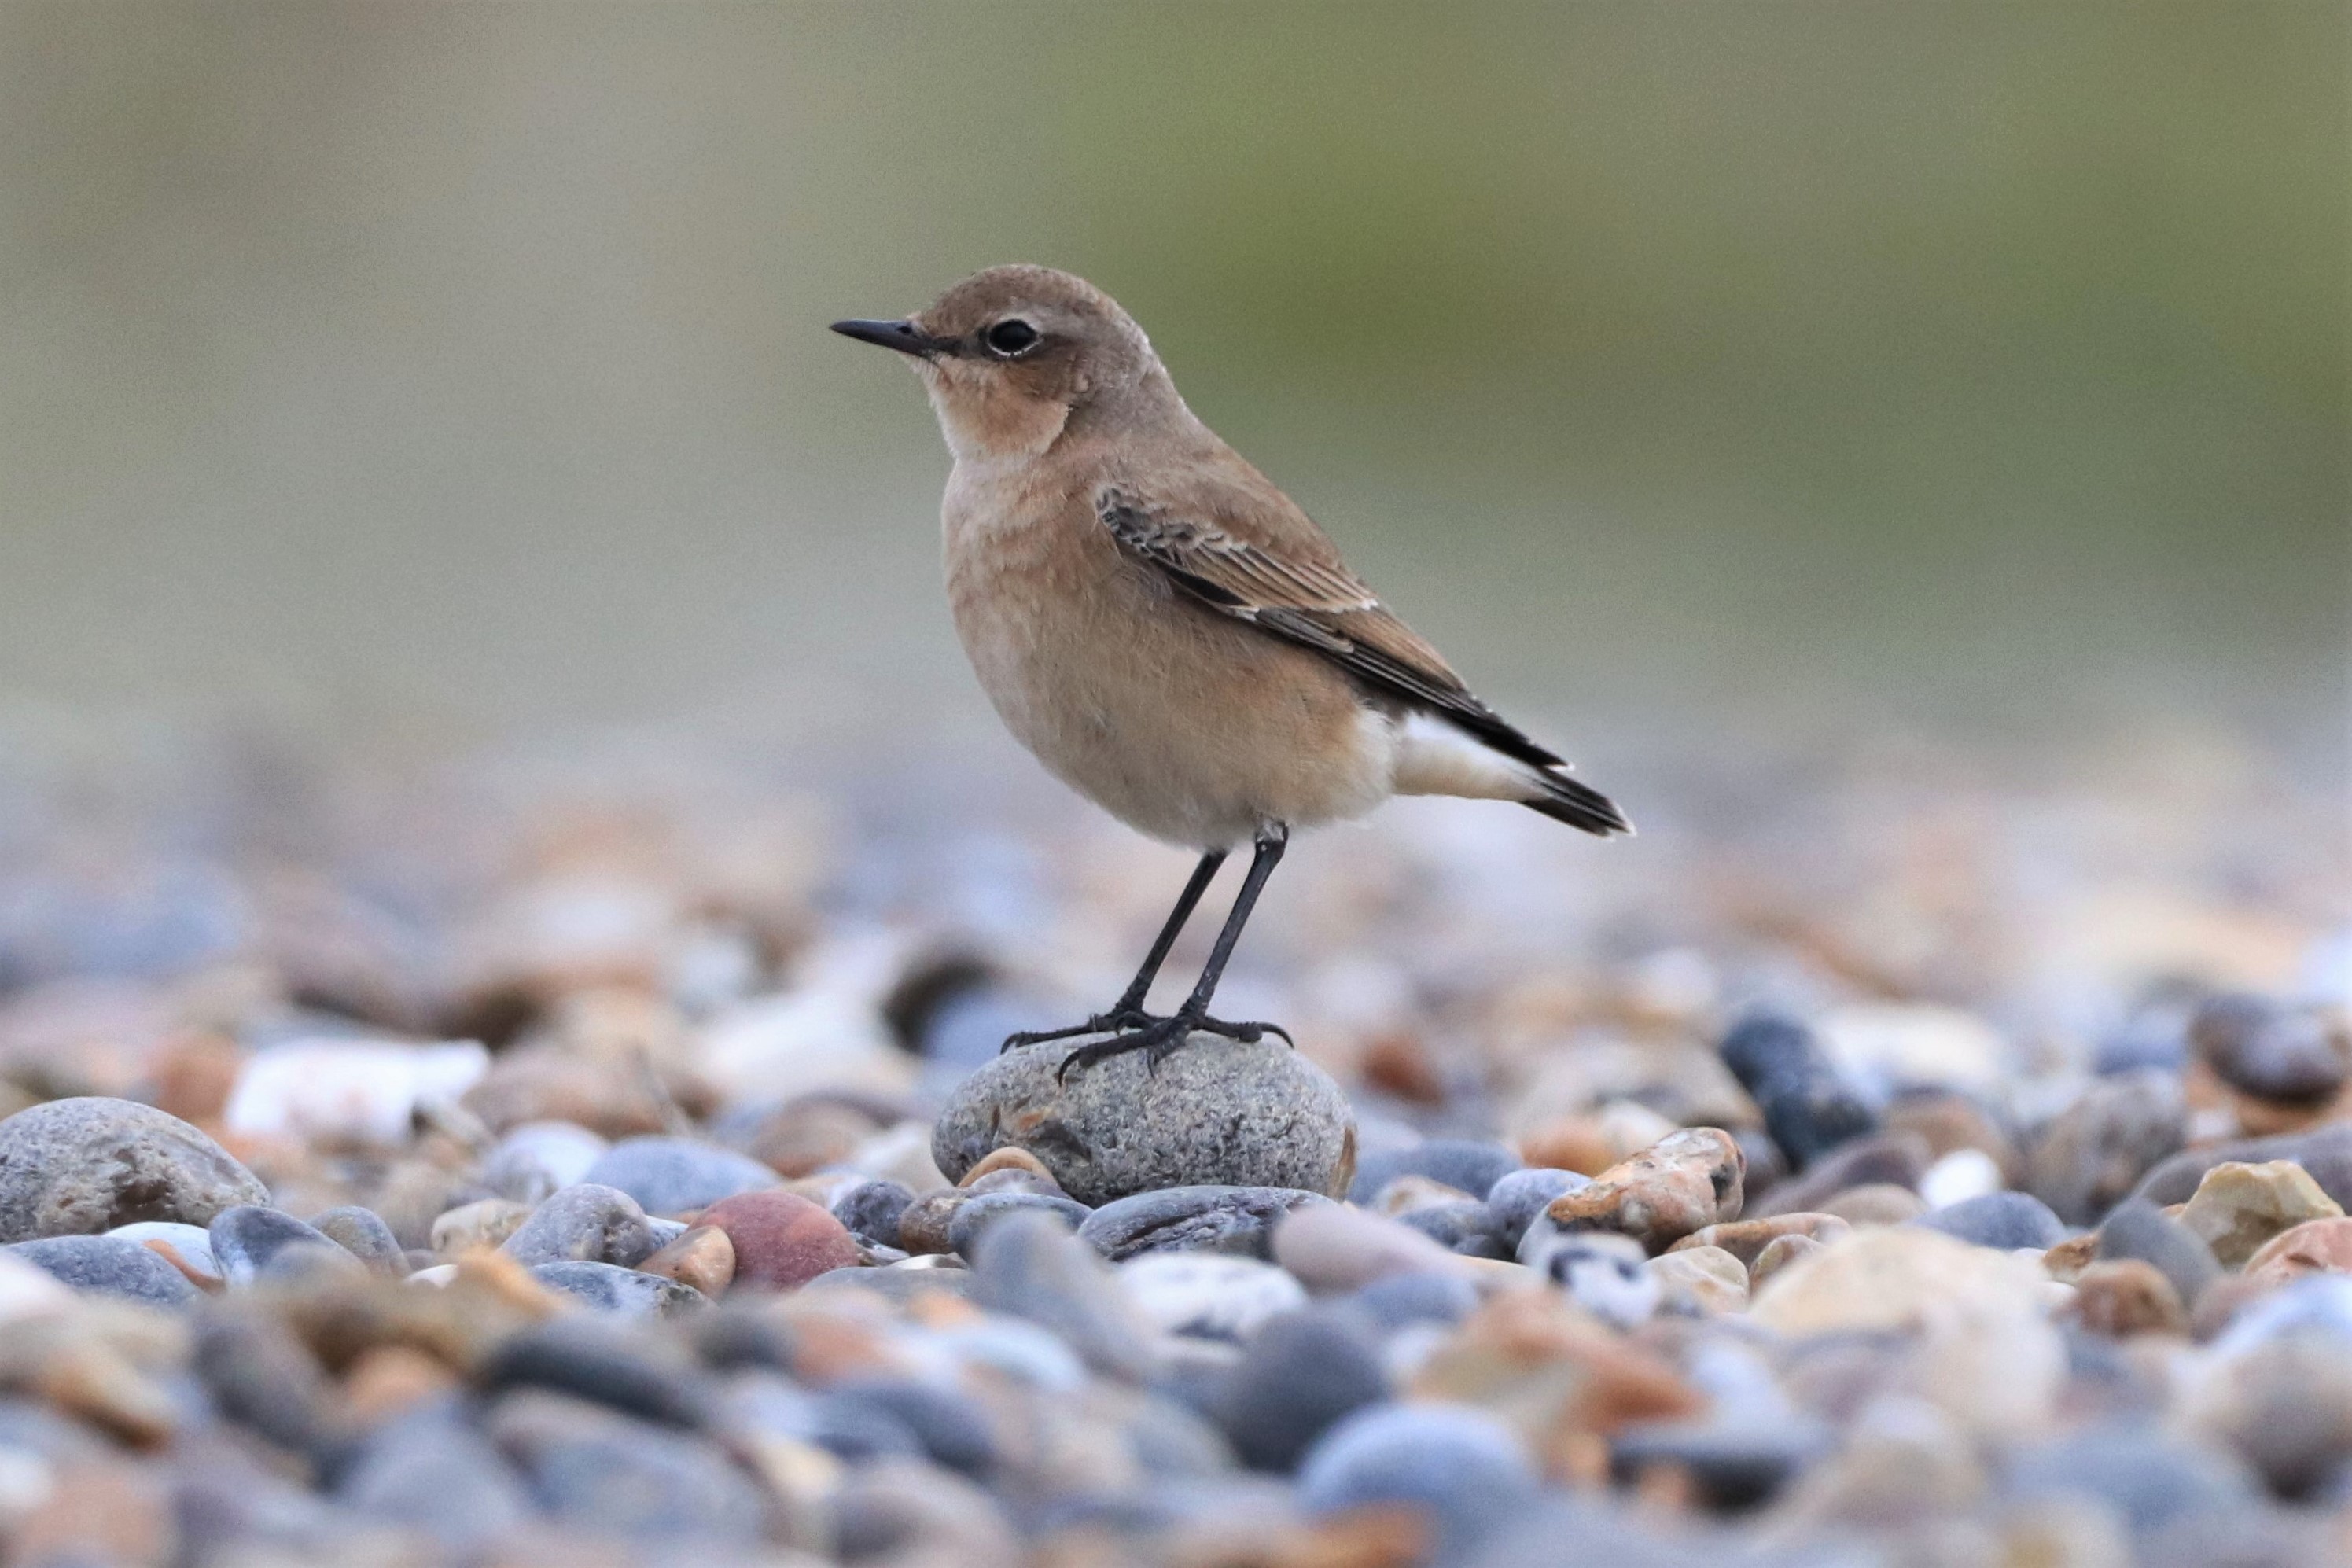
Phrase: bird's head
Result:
[1014,355]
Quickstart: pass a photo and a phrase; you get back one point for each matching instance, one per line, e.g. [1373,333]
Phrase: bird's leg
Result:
[1160,1036]
[1128,1012]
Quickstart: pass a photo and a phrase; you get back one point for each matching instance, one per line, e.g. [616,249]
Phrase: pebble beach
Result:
[1877,1164]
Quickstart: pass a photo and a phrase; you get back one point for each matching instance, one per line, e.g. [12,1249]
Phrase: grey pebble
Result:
[2324,1153]
[609,1288]
[603,1360]
[677,1175]
[430,1472]
[1467,1229]
[1029,1265]
[603,1474]
[82,1166]
[1898,1160]
[1809,1108]
[2141,1230]
[897,1284]
[2005,1220]
[1733,1466]
[1301,1374]
[192,1242]
[1462,1468]
[2094,1153]
[2154,1480]
[264,1378]
[362,1233]
[871,1209]
[2277,1054]
[1517,1199]
[1403,1299]
[585,1224]
[949,1427]
[252,1241]
[1216,1111]
[110,1266]
[1236,1220]
[1467,1165]
[984,1209]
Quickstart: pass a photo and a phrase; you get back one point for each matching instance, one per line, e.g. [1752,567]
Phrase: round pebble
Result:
[984,1209]
[2006,1220]
[79,1167]
[781,1240]
[252,1241]
[1299,1376]
[871,1209]
[1463,1469]
[1467,1165]
[586,1223]
[611,1288]
[671,1176]
[1237,1220]
[108,1266]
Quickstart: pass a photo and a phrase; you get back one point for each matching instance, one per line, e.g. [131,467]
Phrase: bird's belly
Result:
[1183,726]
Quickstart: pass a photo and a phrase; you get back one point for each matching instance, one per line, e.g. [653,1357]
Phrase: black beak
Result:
[904,336]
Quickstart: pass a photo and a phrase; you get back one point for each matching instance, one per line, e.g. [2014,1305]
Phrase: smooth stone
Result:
[985,1209]
[1746,1239]
[1730,1465]
[703,1257]
[1809,1108]
[671,1176]
[2126,1296]
[871,1209]
[362,1232]
[84,1167]
[538,1158]
[1708,1276]
[1407,1194]
[898,1283]
[1010,1158]
[1298,1377]
[1467,1165]
[2096,1150]
[2238,1207]
[260,1375]
[1606,1274]
[193,1243]
[781,1240]
[1216,1111]
[2005,1220]
[2286,1055]
[1466,1228]
[1683,1182]
[1875,1204]
[1897,1159]
[2324,1153]
[438,1476]
[2140,1230]
[485,1221]
[606,1360]
[1333,1247]
[1463,1469]
[2283,1405]
[2315,1246]
[585,1224]
[252,1241]
[1029,1265]
[949,1427]
[601,1474]
[1236,1220]
[1957,1177]
[2152,1479]
[1893,1279]
[809,1135]
[110,1266]
[1208,1295]
[923,1224]
[1779,1253]
[347,1091]
[609,1288]
[1402,1299]
[1517,1199]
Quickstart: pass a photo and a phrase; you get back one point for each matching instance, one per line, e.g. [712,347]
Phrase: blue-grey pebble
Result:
[611,1288]
[1809,1108]
[261,1376]
[1237,1220]
[1462,1468]
[110,1266]
[587,1222]
[871,1209]
[1517,1199]
[90,1163]
[1404,1298]
[2142,1230]
[362,1232]
[602,1474]
[950,1426]
[897,1284]
[857,1431]
[603,1360]
[2006,1220]
[2154,1479]
[1732,1466]
[978,1213]
[251,1240]
[1468,1164]
[677,1175]
[429,1471]
[1467,1227]
[1028,1264]
[1301,1374]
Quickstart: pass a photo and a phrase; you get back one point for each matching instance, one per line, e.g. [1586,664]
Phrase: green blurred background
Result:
[1728,370]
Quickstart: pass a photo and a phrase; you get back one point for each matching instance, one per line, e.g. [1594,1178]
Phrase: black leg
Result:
[1162,1036]
[1128,1012]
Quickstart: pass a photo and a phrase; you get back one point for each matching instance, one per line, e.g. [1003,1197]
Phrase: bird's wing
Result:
[1303,594]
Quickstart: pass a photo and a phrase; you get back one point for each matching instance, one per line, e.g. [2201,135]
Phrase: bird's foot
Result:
[1118,1020]
[1159,1039]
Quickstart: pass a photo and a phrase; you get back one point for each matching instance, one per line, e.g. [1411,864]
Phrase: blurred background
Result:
[1707,375]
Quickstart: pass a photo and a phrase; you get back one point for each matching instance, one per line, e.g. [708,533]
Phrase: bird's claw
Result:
[1160,1038]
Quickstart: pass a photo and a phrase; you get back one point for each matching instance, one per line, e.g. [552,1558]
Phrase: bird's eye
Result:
[1012,338]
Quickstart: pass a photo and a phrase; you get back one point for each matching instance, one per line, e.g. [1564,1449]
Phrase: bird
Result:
[1168,633]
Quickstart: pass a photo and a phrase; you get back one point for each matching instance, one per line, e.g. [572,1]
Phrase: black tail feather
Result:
[1578,804]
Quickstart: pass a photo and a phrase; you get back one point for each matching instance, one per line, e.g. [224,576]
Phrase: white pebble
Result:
[362,1091]
[1963,1174]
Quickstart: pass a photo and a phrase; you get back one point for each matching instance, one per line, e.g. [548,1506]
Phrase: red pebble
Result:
[781,1240]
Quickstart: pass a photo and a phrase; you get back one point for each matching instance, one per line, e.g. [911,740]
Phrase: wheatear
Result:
[1167,632]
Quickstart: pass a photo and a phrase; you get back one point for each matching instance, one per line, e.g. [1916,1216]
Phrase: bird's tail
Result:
[1563,799]
[1436,757]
